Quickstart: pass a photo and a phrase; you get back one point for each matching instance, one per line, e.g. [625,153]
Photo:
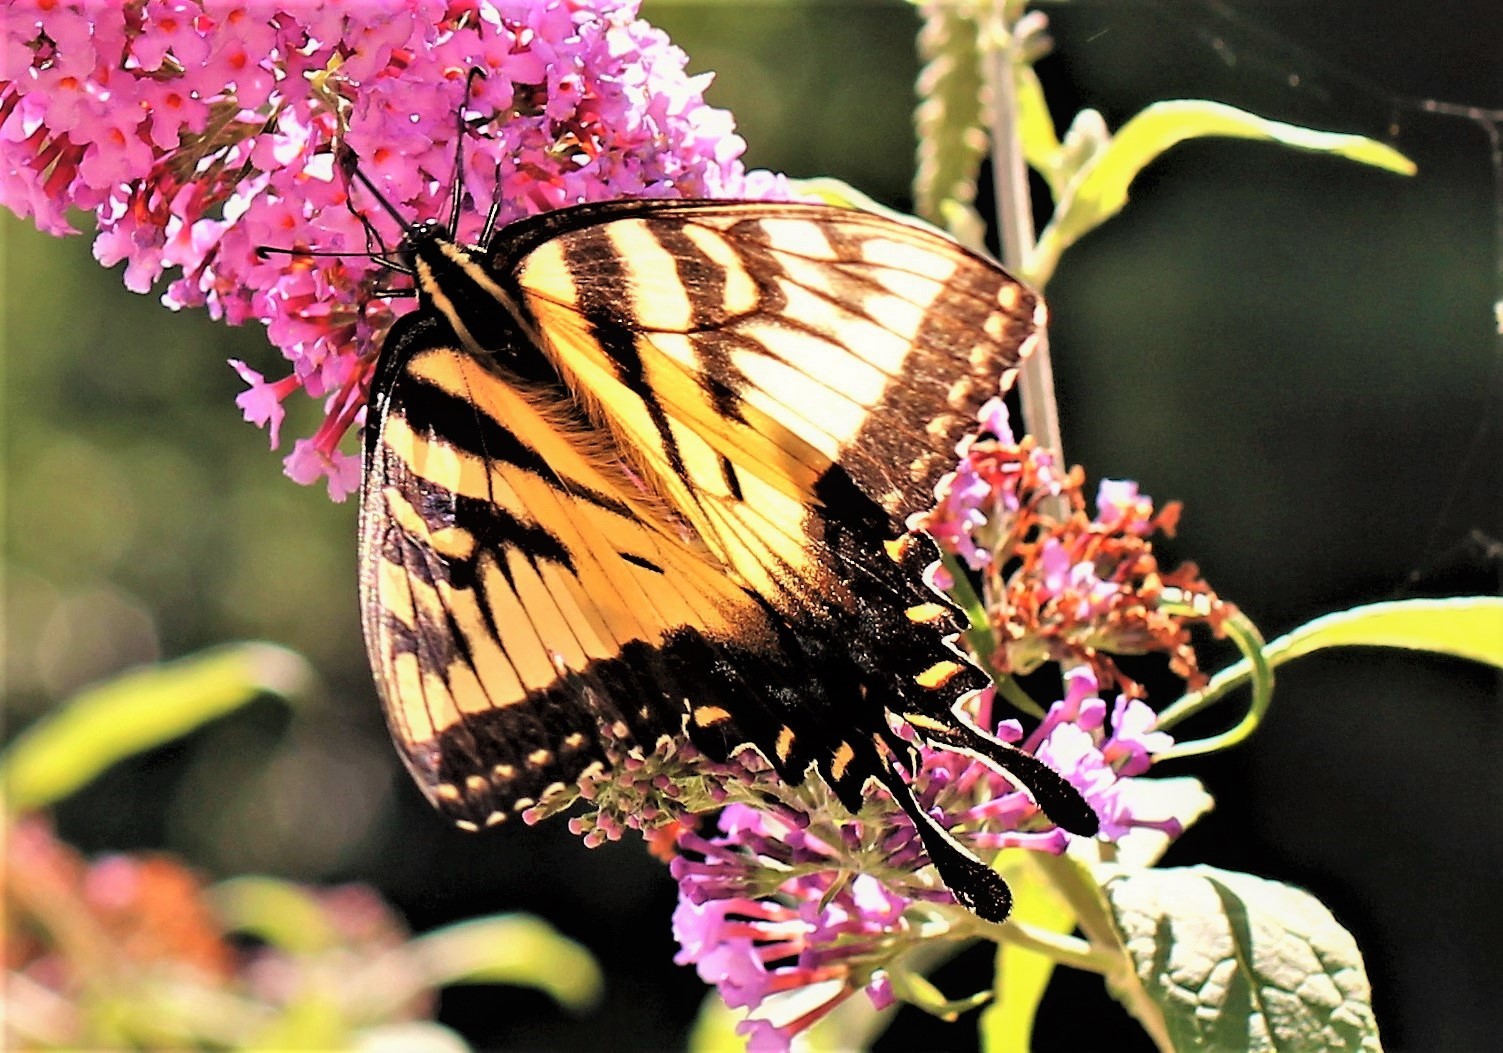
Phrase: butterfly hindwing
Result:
[513,590]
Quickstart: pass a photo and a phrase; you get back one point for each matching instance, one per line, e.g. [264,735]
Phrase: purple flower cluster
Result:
[1062,585]
[199,131]
[791,908]
[983,506]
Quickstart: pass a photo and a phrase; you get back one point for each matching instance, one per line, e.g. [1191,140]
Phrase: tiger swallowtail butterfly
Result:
[643,468]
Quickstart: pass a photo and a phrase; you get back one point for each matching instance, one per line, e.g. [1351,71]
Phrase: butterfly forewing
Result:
[787,339]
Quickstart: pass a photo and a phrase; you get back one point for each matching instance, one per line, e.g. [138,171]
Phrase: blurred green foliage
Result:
[1301,349]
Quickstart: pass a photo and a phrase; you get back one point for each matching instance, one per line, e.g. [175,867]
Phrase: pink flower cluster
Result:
[200,131]
[1062,585]
[789,910]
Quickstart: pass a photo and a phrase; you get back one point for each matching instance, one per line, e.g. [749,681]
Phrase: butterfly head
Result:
[458,283]
[422,249]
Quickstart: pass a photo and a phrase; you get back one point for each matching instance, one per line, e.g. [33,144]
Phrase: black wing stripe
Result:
[445,418]
[591,253]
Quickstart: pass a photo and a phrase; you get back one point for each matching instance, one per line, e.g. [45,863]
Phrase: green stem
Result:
[1019,699]
[1250,642]
[1061,949]
[1015,232]
[979,635]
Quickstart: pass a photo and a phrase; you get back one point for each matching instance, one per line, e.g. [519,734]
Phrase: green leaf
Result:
[284,914]
[1041,146]
[1463,627]
[1023,973]
[714,1029]
[1099,190]
[514,949]
[1235,962]
[137,711]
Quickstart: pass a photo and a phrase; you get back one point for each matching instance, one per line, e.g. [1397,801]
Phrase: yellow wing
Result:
[792,379]
[517,587]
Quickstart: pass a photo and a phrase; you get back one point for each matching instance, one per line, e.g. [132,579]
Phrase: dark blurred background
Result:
[1302,350]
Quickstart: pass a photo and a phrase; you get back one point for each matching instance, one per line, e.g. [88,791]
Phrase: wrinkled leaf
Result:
[1235,962]
[139,710]
[1099,190]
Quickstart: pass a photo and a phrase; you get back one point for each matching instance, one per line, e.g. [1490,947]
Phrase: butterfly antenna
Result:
[372,235]
[495,210]
[456,181]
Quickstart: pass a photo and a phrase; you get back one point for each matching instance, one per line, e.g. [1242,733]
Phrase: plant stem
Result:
[1015,226]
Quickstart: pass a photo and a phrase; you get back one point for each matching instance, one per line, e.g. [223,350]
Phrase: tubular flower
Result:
[1061,585]
[791,906]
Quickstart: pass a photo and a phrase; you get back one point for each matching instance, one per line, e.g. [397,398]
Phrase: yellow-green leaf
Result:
[714,1029]
[283,914]
[1041,144]
[1464,627]
[1022,973]
[137,711]
[1099,190]
[514,949]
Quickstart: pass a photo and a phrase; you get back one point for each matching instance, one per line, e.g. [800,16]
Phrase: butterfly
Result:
[642,468]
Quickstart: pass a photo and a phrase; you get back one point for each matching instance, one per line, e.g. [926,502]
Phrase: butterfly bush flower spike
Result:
[200,131]
[1064,586]
[790,909]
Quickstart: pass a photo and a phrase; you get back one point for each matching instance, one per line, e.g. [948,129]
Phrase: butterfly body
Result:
[641,468]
